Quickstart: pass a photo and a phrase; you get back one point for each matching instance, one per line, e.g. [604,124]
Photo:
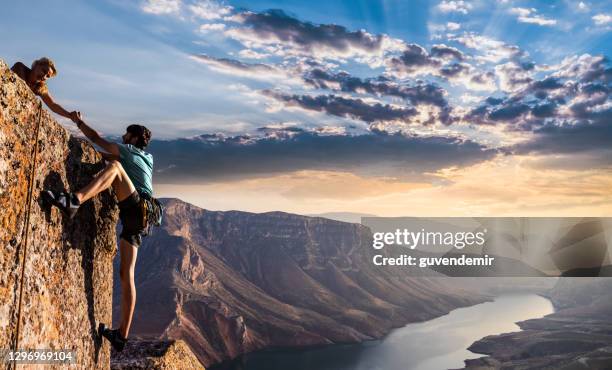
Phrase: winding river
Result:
[436,344]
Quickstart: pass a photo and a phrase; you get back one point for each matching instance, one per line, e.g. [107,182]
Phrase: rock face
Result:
[233,282]
[67,285]
[155,354]
[577,336]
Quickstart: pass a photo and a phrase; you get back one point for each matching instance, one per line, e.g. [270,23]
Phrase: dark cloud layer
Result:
[575,99]
[235,66]
[444,51]
[413,60]
[345,107]
[214,158]
[276,26]
[561,109]
[417,93]
[571,138]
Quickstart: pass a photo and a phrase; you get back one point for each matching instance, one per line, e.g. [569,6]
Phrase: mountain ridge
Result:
[231,282]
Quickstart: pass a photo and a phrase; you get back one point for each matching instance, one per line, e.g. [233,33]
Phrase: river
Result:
[439,343]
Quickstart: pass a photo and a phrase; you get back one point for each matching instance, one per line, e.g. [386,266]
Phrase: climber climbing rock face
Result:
[36,78]
[129,172]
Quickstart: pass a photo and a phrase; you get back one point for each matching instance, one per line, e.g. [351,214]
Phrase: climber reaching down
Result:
[36,78]
[129,172]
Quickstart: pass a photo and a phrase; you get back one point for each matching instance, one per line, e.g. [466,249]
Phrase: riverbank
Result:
[438,343]
[577,335]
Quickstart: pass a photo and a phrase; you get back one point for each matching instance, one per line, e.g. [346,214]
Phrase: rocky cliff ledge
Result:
[155,354]
[67,283]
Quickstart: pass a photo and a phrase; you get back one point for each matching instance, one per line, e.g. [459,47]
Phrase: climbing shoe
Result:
[68,203]
[113,336]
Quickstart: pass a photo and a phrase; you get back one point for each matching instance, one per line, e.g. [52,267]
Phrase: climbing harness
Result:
[152,212]
[27,226]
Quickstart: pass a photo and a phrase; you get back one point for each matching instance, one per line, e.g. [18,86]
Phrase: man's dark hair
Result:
[142,133]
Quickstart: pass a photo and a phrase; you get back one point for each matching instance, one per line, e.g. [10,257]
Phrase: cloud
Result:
[210,10]
[584,68]
[208,27]
[529,102]
[238,68]
[161,6]
[452,26]
[252,54]
[459,6]
[512,185]
[529,15]
[332,185]
[573,98]
[503,186]
[602,19]
[588,142]
[285,35]
[513,75]
[345,107]
[468,76]
[417,93]
[490,50]
[446,52]
[437,30]
[443,61]
[413,61]
[293,149]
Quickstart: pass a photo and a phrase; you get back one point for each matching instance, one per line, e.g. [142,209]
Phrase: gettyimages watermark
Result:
[492,246]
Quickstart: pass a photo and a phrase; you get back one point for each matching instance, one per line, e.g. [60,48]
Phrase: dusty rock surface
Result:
[67,286]
[68,276]
[155,354]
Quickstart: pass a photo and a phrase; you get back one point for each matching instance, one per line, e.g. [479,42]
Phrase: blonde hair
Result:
[46,62]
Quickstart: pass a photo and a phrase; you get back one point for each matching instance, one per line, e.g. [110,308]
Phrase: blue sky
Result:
[283,87]
[136,66]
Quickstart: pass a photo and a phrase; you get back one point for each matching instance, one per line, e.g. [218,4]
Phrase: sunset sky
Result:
[447,108]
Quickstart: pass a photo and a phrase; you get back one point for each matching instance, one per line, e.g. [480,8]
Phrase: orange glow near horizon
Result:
[504,186]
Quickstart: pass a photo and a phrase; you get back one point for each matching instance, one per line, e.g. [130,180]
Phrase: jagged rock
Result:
[155,354]
[68,267]
[68,277]
[229,283]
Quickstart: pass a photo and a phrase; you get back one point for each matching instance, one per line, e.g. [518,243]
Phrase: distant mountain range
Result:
[232,282]
[350,217]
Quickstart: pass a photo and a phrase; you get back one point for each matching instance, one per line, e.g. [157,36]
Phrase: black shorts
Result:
[132,218]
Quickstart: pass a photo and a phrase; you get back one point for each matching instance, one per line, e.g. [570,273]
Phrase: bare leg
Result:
[113,175]
[128,289]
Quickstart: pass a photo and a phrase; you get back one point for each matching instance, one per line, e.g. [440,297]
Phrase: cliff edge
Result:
[67,282]
[229,283]
[155,354]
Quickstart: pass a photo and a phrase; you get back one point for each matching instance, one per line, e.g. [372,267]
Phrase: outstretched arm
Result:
[91,134]
[57,108]
[109,157]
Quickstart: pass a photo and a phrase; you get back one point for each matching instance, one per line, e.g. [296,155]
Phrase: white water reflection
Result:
[436,344]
